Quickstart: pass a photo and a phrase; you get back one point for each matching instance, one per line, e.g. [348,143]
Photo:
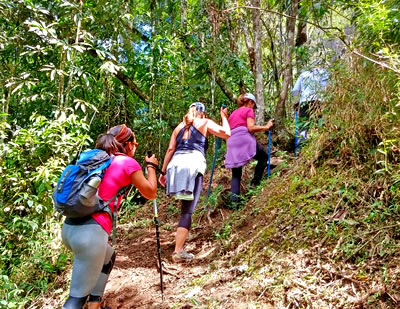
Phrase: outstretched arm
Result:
[253,128]
[224,130]
[169,153]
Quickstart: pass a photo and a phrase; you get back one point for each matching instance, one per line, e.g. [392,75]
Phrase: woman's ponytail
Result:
[109,144]
[115,139]
[189,117]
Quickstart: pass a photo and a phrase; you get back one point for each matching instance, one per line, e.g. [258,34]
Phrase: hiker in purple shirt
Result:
[242,146]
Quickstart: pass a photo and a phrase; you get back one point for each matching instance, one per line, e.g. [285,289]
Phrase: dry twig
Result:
[378,290]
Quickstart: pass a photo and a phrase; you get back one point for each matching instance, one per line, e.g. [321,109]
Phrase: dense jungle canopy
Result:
[71,70]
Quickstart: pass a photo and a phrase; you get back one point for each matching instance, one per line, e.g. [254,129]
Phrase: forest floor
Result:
[135,280]
[220,275]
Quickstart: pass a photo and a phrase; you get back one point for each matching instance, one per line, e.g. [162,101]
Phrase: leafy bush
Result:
[32,159]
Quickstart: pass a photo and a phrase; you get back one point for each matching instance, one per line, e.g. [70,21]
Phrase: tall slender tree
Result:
[287,75]
[258,70]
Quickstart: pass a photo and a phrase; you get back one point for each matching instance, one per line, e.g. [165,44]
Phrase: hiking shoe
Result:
[234,201]
[182,256]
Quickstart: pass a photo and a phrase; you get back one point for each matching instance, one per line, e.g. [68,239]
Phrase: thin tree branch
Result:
[352,50]
[132,86]
[221,83]
[382,64]
[281,14]
[223,86]
[126,81]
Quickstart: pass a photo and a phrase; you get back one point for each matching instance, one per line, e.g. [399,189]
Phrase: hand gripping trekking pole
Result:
[149,154]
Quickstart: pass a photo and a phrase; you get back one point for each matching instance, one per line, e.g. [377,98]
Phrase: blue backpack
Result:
[76,192]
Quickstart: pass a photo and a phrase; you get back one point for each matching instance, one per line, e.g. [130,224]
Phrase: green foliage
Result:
[130,205]
[173,210]
[379,22]
[224,232]
[215,197]
[68,73]
[342,192]
[32,159]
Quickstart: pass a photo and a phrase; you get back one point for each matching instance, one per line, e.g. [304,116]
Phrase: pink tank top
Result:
[239,117]
[118,175]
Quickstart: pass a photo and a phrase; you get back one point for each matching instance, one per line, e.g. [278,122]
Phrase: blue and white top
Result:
[311,84]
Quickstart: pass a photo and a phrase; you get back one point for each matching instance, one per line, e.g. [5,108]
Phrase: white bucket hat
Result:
[199,107]
[250,96]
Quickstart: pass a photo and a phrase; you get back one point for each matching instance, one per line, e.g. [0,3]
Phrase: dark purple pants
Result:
[187,207]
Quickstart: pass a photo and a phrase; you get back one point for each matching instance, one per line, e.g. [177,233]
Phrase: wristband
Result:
[155,166]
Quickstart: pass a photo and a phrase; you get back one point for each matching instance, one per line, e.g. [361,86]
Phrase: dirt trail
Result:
[208,281]
[135,280]
[220,276]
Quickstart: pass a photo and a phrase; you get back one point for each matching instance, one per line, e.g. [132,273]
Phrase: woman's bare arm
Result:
[171,147]
[147,187]
[224,130]
[253,128]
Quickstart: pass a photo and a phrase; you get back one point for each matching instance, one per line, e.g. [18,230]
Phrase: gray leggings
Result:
[92,255]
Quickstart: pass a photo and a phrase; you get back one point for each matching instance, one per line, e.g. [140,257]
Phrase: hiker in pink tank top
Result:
[87,237]
[242,146]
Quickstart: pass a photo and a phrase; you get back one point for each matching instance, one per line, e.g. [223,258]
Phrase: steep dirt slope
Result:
[257,257]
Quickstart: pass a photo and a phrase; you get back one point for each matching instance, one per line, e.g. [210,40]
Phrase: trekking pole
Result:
[158,248]
[269,151]
[217,146]
[149,154]
[295,135]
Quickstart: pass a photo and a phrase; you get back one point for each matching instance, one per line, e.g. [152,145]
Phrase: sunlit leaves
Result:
[83,105]
[111,68]
[41,29]
[377,22]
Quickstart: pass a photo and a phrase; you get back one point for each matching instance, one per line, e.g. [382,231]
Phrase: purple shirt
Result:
[239,117]
[241,146]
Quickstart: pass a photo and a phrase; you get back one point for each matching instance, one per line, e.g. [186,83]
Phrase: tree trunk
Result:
[273,61]
[60,98]
[184,15]
[71,73]
[258,73]
[255,57]
[232,44]
[287,75]
[250,48]
[301,39]
[301,36]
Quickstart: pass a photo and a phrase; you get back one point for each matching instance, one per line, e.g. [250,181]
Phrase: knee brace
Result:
[108,267]
[74,302]
[94,298]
